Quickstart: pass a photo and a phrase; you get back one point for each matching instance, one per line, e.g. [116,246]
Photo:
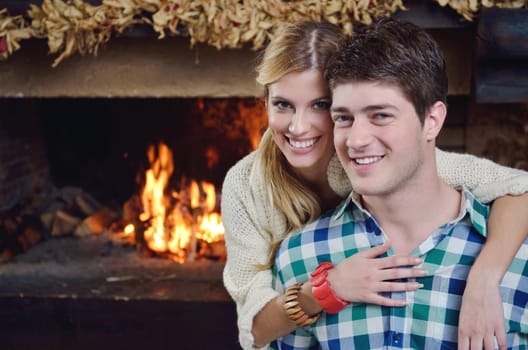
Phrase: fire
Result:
[176,223]
[185,224]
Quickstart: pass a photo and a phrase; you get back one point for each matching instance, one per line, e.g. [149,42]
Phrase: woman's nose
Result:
[299,123]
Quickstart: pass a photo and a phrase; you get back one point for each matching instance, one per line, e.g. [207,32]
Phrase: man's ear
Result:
[434,120]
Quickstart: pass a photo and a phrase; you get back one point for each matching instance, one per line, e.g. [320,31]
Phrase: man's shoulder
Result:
[478,212]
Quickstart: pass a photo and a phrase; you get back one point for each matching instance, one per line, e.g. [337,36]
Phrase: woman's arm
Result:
[481,314]
[359,278]
[247,248]
[485,179]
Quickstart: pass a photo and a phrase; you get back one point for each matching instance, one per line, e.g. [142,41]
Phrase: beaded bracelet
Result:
[293,309]
[322,290]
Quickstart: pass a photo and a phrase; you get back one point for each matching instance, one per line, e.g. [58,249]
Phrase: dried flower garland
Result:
[73,26]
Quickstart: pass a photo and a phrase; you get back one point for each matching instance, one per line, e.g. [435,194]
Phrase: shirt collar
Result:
[353,200]
[476,211]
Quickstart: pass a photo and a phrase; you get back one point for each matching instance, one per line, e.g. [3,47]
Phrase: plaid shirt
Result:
[430,319]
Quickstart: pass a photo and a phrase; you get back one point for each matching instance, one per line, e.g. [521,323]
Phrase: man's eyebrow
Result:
[340,109]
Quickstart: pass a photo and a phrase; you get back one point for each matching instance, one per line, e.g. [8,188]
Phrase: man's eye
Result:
[342,119]
[381,116]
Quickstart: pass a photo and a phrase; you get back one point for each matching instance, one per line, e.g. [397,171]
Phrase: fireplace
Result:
[86,289]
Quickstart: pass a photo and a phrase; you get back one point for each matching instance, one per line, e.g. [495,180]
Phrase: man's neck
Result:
[411,214]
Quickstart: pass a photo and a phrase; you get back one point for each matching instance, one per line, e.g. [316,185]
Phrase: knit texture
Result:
[252,224]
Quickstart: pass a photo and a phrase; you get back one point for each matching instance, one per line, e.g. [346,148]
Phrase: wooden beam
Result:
[501,83]
[503,33]
[501,64]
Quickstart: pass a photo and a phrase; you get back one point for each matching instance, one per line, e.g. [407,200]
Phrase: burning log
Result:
[180,225]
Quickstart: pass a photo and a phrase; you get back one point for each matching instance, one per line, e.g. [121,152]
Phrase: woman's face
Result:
[298,110]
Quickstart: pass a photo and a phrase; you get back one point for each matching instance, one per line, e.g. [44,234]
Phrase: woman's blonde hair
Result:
[296,47]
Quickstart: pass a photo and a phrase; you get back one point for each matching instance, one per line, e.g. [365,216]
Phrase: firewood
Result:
[25,231]
[48,214]
[30,236]
[87,204]
[64,223]
[132,208]
[214,250]
[68,194]
[96,223]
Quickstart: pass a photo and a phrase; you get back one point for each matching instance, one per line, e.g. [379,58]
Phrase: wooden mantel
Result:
[131,67]
[137,64]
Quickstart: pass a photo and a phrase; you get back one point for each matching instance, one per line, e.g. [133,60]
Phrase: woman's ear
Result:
[434,120]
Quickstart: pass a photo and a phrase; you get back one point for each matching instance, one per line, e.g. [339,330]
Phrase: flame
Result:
[184,224]
[176,222]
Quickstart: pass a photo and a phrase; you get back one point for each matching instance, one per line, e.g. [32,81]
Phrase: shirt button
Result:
[396,337]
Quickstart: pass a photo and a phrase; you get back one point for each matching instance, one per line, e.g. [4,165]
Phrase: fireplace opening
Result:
[111,148]
[101,144]
[96,153]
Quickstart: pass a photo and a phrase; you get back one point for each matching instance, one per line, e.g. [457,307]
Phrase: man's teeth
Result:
[367,160]
[302,144]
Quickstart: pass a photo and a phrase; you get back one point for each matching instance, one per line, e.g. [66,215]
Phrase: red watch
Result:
[322,290]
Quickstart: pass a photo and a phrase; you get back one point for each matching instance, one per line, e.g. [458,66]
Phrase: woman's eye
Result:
[282,105]
[322,105]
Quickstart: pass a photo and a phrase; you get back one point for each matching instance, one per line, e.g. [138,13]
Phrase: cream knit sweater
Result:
[251,224]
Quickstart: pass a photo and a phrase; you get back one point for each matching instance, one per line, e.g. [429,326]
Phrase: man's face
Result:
[378,137]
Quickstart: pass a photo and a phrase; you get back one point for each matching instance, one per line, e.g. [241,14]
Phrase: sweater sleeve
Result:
[486,179]
[247,247]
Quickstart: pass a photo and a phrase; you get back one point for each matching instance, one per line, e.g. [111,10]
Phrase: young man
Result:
[389,88]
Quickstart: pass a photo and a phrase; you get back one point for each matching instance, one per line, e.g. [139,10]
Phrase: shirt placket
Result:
[394,337]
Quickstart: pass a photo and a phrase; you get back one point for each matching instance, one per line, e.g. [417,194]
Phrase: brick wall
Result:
[24,169]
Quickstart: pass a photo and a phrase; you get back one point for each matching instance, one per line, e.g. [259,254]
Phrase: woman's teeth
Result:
[302,144]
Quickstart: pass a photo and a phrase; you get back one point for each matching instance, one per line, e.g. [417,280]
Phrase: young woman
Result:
[294,175]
